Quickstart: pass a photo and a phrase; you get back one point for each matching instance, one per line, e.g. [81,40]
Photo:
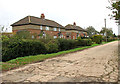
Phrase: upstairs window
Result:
[47,28]
[59,29]
[73,37]
[55,29]
[62,36]
[32,36]
[54,36]
[40,27]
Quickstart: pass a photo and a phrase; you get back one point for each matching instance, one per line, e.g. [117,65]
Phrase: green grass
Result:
[20,61]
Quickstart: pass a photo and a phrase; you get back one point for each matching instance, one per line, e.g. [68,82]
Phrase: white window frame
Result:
[54,37]
[41,27]
[62,36]
[59,29]
[33,36]
[47,28]
[55,29]
[43,34]
[73,37]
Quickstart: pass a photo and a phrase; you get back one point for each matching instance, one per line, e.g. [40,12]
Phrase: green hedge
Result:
[65,44]
[84,42]
[97,39]
[15,47]
[111,39]
[21,49]
[52,46]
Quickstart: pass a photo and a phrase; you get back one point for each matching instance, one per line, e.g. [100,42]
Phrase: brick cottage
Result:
[47,27]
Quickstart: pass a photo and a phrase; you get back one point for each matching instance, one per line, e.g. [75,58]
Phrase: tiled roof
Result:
[73,27]
[37,21]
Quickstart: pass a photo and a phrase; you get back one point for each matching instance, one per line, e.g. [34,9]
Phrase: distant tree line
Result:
[104,31]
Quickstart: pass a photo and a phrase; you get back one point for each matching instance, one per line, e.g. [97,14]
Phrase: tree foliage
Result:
[91,31]
[115,10]
[23,34]
[107,31]
[2,28]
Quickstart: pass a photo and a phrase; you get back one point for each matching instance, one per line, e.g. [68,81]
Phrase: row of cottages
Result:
[47,27]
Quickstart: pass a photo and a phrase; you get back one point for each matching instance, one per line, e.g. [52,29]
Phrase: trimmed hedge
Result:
[84,42]
[65,44]
[97,39]
[21,49]
[52,46]
[111,39]
[15,47]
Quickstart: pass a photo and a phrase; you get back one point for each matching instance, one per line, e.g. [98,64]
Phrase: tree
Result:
[106,31]
[109,33]
[103,30]
[114,35]
[2,28]
[91,31]
[115,8]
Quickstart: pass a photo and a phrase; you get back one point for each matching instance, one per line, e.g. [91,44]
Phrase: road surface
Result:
[97,64]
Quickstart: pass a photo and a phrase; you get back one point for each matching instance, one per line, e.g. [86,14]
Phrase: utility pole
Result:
[105,29]
[119,15]
[119,23]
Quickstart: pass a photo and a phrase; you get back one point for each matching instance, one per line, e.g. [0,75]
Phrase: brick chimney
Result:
[74,23]
[42,16]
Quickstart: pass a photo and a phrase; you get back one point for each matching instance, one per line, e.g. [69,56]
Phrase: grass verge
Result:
[20,61]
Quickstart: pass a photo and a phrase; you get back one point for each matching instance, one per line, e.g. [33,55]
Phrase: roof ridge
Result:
[72,26]
[37,21]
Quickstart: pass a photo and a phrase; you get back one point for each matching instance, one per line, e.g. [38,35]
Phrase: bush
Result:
[24,34]
[111,39]
[16,47]
[4,37]
[65,44]
[52,46]
[84,42]
[97,39]
[22,48]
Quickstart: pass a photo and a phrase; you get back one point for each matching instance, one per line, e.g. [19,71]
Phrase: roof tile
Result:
[37,21]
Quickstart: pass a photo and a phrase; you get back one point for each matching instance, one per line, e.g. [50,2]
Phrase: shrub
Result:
[84,42]
[22,48]
[4,37]
[24,34]
[52,46]
[16,47]
[4,40]
[72,44]
[97,39]
[111,39]
[65,44]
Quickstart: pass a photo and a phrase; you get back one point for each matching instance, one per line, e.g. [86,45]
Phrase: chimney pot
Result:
[74,23]
[42,16]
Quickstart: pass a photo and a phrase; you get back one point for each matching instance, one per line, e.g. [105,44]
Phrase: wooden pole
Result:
[105,29]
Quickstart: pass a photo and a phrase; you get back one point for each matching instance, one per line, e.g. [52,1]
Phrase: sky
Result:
[84,12]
